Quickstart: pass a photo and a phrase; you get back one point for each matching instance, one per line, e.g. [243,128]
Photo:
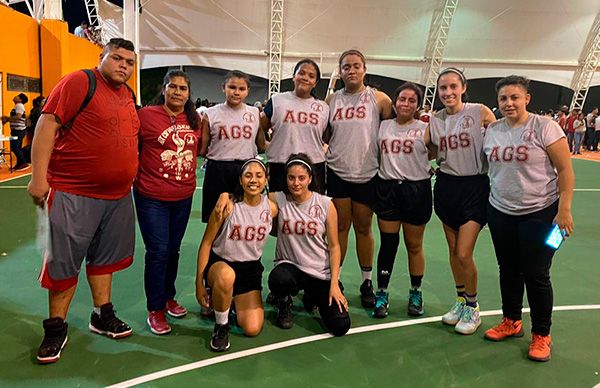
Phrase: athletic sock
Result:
[97,310]
[222,317]
[386,257]
[366,273]
[415,281]
[471,300]
[460,291]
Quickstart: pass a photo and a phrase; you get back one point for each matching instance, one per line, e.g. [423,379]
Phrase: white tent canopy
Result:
[542,39]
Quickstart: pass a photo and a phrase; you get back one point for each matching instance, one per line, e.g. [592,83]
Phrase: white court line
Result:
[305,340]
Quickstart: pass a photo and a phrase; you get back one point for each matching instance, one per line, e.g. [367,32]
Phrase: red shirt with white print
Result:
[168,150]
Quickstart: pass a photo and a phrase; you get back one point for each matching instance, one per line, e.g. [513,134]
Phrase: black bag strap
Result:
[88,97]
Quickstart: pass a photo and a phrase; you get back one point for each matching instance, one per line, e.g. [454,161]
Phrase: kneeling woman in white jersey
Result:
[307,256]
[532,188]
[229,256]
[403,196]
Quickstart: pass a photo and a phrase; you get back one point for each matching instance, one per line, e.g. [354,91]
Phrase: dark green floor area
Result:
[422,355]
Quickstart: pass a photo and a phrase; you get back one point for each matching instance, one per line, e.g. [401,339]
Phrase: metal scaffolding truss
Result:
[91,6]
[589,60]
[275,46]
[35,7]
[436,44]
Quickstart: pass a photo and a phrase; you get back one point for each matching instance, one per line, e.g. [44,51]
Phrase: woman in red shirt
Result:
[163,190]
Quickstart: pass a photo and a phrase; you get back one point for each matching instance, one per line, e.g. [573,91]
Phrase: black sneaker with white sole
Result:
[107,323]
[220,338]
[55,339]
[367,296]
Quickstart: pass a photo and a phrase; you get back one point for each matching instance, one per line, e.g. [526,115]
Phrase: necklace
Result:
[172,115]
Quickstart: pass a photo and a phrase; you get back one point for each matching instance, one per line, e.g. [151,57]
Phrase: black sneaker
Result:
[271,299]
[415,303]
[55,339]
[285,319]
[220,338]
[21,167]
[382,305]
[367,296]
[108,324]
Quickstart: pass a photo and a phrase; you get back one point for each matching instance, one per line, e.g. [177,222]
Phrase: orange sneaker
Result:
[506,328]
[540,347]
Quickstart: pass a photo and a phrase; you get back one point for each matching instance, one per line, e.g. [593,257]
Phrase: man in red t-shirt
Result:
[570,129]
[82,177]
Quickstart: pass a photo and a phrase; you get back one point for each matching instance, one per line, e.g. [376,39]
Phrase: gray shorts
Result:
[101,231]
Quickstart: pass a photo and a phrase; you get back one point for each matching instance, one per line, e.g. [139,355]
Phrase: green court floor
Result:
[416,353]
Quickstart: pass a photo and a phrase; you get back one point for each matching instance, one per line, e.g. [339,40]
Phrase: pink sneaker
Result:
[158,322]
[175,310]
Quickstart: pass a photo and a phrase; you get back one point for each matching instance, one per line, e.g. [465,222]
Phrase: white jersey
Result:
[298,125]
[354,121]
[402,151]
[523,179]
[302,234]
[459,139]
[244,233]
[232,132]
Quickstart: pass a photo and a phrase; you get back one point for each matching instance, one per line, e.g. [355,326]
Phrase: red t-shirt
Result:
[97,156]
[424,117]
[168,155]
[570,120]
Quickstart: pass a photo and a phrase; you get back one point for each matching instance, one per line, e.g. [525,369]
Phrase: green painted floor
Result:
[425,355]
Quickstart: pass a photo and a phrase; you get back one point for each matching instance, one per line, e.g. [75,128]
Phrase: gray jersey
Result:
[244,233]
[354,121]
[459,138]
[522,176]
[302,234]
[402,151]
[298,125]
[232,132]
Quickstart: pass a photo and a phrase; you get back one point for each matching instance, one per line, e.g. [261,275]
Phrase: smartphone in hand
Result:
[555,237]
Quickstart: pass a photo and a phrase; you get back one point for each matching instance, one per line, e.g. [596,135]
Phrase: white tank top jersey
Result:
[302,234]
[232,132]
[354,121]
[459,139]
[298,125]
[244,233]
[523,179]
[402,151]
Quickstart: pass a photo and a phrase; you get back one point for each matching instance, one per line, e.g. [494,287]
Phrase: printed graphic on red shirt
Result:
[178,162]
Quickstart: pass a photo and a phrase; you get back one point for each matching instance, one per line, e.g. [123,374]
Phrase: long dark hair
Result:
[189,107]
[238,191]
[300,159]
[313,64]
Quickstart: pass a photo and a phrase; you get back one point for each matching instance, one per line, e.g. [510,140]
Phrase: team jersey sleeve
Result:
[268,109]
[551,132]
[67,96]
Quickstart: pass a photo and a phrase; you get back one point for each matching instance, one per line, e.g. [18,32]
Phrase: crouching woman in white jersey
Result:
[532,189]
[403,196]
[307,256]
[229,256]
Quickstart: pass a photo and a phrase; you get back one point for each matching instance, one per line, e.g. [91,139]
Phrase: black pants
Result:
[286,279]
[524,260]
[16,146]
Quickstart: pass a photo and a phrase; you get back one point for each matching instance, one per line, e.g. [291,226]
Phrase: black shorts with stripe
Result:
[363,193]
[405,201]
[220,177]
[248,274]
[460,199]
